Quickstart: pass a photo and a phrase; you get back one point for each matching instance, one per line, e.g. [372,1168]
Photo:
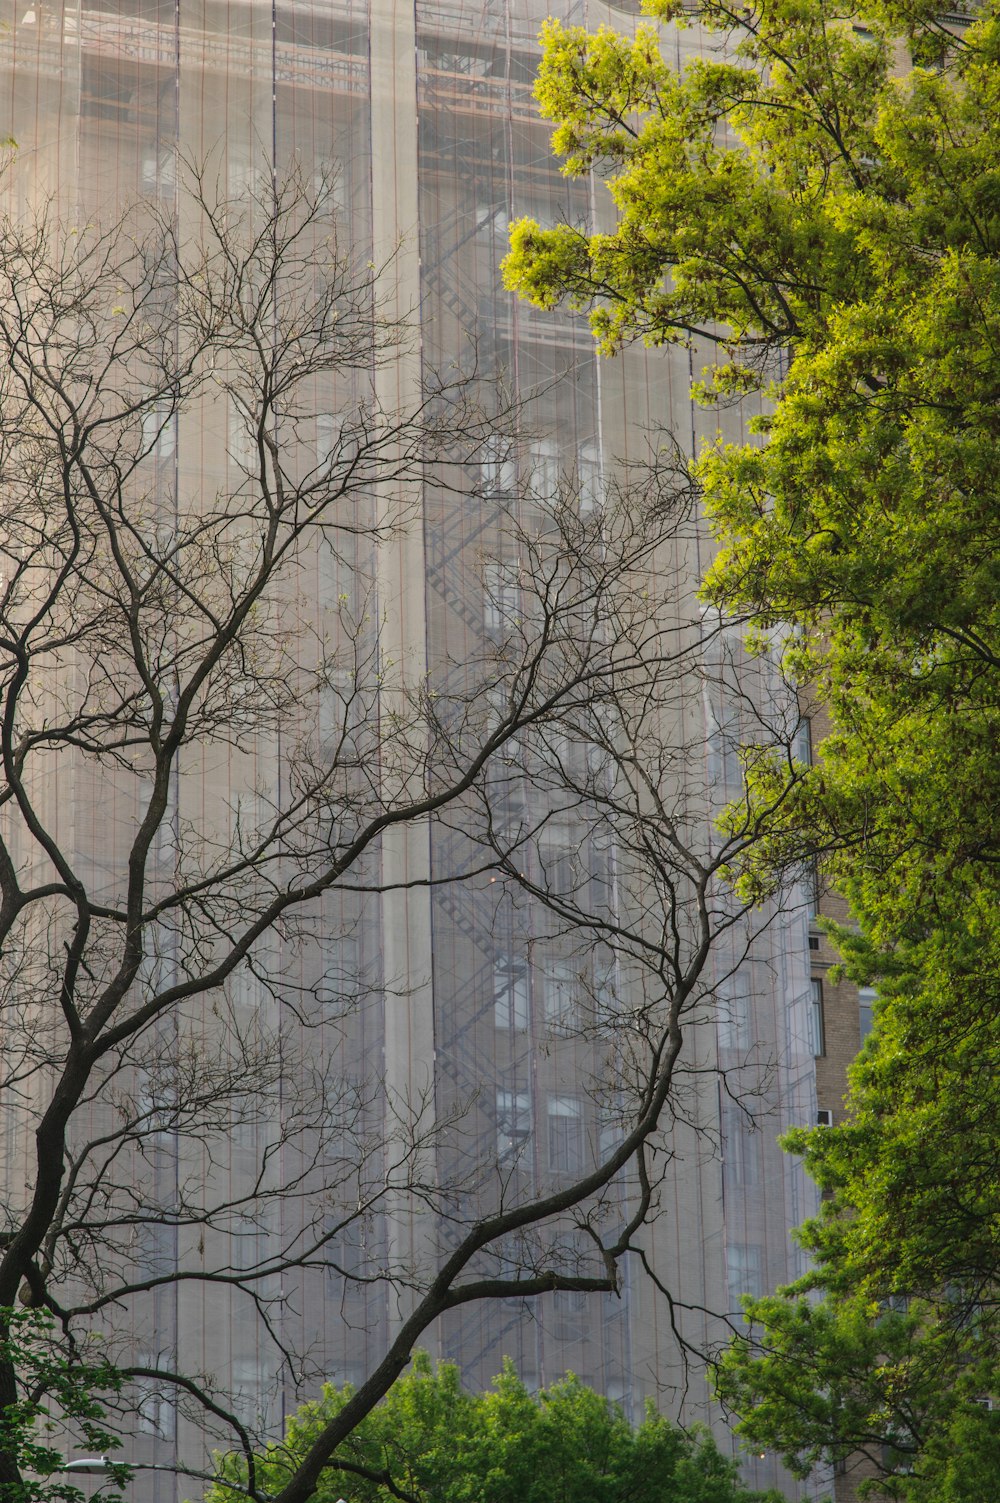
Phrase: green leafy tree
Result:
[60,1402]
[832,228]
[816,205]
[890,1347]
[430,1441]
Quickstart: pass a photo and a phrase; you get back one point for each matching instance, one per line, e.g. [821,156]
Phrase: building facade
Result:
[417,123]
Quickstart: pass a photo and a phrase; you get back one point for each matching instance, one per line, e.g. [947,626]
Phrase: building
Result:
[418,124]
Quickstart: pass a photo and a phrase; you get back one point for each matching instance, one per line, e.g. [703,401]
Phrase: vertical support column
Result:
[406,912]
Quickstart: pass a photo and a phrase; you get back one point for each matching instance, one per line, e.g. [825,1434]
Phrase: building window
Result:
[590,480]
[607,994]
[156,1250]
[158,1108]
[344,1252]
[502,598]
[610,1130]
[569,1314]
[867,997]
[744,1271]
[247,1244]
[159,429]
[343,711]
[732,998]
[513,1124]
[562,997]
[817,1038]
[492,221]
[250,1393]
[329,428]
[510,994]
[498,467]
[802,741]
[565,1114]
[250,184]
[741,1149]
[242,437]
[600,865]
[722,727]
[156,1410]
[159,172]
[543,471]
[329,187]
[561,871]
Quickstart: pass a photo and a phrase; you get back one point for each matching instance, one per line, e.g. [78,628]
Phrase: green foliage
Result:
[823,200]
[844,1377]
[889,1346]
[431,1441]
[59,1404]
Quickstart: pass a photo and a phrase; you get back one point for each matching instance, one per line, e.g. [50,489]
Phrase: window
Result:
[500,712]
[250,1393]
[329,187]
[600,860]
[543,470]
[817,1040]
[159,429]
[247,985]
[341,582]
[491,221]
[159,172]
[342,711]
[510,994]
[565,1115]
[342,981]
[242,448]
[591,482]
[247,1135]
[328,438]
[569,1315]
[337,448]
[802,741]
[732,998]
[610,1129]
[607,999]
[156,1411]
[744,1271]
[249,183]
[741,1149]
[725,767]
[561,990]
[344,1251]
[502,596]
[867,997]
[561,870]
[156,1250]
[157,1108]
[247,1244]
[498,466]
[513,1124]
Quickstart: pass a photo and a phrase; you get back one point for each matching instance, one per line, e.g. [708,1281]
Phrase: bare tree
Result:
[207,754]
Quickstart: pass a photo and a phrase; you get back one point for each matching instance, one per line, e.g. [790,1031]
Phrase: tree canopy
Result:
[815,205]
[430,1439]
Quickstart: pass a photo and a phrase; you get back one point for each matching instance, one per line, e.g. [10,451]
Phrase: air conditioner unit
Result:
[824,1117]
